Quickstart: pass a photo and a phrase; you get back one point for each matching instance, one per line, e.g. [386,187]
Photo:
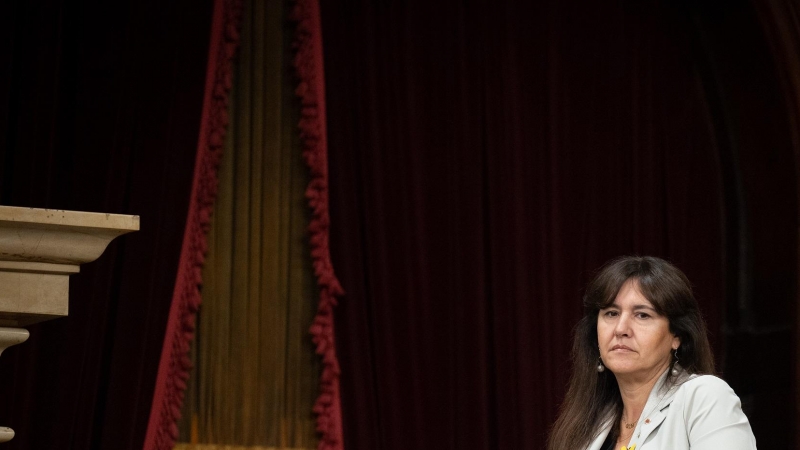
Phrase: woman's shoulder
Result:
[699,381]
[707,389]
[705,381]
[712,414]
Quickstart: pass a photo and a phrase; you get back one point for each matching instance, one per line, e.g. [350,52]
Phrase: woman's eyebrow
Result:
[643,306]
[636,307]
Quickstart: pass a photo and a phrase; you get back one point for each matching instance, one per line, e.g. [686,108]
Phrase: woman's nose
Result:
[623,325]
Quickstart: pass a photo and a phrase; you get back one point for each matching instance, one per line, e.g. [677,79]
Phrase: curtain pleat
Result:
[256,375]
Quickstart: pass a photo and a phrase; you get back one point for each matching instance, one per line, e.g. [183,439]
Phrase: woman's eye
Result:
[610,314]
[643,315]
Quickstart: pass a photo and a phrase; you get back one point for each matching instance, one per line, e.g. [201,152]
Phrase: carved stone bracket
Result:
[39,250]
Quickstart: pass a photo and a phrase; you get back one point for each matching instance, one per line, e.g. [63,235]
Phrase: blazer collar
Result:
[653,413]
[654,410]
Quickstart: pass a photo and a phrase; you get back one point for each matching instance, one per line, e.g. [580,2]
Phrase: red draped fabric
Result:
[313,133]
[174,367]
[485,157]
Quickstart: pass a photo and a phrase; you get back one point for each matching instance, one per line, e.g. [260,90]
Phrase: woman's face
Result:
[635,341]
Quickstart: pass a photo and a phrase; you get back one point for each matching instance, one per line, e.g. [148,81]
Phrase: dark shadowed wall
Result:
[99,111]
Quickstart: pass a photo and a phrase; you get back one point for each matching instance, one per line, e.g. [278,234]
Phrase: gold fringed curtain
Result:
[255,373]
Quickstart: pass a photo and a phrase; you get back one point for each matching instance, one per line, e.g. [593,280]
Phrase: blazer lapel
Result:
[651,423]
[654,409]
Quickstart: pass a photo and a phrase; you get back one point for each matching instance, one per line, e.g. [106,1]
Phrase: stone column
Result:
[39,250]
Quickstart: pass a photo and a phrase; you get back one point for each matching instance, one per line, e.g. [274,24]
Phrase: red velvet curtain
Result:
[100,106]
[485,157]
[780,20]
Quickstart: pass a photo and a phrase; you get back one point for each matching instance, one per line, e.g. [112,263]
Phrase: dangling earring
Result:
[675,367]
[600,367]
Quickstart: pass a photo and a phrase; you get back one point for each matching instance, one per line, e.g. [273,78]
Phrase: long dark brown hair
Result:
[593,398]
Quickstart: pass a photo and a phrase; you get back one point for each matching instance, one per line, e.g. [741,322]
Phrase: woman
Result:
[643,369]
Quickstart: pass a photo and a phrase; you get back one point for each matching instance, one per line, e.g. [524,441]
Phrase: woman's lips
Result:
[621,348]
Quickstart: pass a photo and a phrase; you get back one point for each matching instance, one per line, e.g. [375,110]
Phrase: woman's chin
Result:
[634,371]
[621,369]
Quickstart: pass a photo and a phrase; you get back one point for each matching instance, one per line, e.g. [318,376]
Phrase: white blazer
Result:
[697,413]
